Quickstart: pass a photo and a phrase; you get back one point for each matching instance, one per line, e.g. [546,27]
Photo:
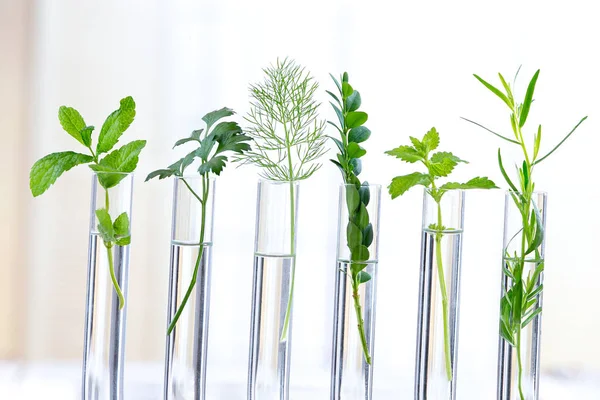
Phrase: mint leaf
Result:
[114,126]
[124,241]
[105,226]
[121,225]
[47,169]
[401,184]
[419,146]
[359,134]
[406,153]
[113,168]
[431,140]
[442,163]
[72,122]
[475,183]
[86,135]
[216,115]
[214,165]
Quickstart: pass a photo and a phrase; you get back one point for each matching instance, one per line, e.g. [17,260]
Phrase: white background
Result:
[412,63]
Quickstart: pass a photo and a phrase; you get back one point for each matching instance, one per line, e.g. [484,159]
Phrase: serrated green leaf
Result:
[401,184]
[475,183]
[86,135]
[406,153]
[216,115]
[418,145]
[114,126]
[113,168]
[363,277]
[105,226]
[528,99]
[355,151]
[161,173]
[356,118]
[442,163]
[431,140]
[353,101]
[359,134]
[124,241]
[121,225]
[214,165]
[72,122]
[47,169]
[352,198]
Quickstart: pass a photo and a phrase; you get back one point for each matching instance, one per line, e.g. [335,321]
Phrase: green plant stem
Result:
[111,263]
[359,318]
[288,311]
[188,293]
[444,291]
[520,365]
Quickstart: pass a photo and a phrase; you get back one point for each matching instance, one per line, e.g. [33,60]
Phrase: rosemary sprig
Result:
[439,164]
[359,231]
[287,137]
[520,299]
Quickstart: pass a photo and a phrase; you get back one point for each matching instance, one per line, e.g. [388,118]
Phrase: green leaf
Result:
[418,145]
[340,168]
[230,138]
[194,137]
[86,135]
[353,235]
[475,183]
[536,142]
[161,173]
[442,163]
[339,114]
[359,134]
[214,165]
[336,83]
[339,145]
[368,235]
[363,277]
[356,165]
[365,194]
[124,241]
[362,217]
[336,127]
[401,184]
[353,101]
[528,99]
[347,89]
[216,115]
[539,231]
[355,151]
[531,316]
[114,126]
[506,88]
[352,198]
[494,90]
[491,131]
[356,118]
[345,77]
[534,293]
[121,225]
[105,226]
[431,140]
[334,97]
[47,169]
[72,122]
[406,153]
[360,253]
[504,174]
[113,168]
[561,142]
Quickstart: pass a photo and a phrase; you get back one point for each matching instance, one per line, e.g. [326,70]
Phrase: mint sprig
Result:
[438,165]
[111,169]
[214,144]
[359,230]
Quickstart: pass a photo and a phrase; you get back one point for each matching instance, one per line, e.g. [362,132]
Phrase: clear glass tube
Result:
[522,266]
[191,249]
[354,317]
[105,321]
[272,290]
[439,291]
